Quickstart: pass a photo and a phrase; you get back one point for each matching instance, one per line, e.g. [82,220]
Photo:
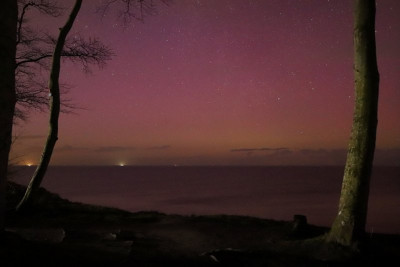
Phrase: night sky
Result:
[222,82]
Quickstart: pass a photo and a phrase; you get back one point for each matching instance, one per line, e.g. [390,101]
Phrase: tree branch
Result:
[130,9]
[34,50]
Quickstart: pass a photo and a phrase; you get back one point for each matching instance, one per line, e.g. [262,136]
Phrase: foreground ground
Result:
[56,232]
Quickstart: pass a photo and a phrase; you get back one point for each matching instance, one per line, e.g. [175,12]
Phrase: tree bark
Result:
[54,88]
[8,30]
[349,226]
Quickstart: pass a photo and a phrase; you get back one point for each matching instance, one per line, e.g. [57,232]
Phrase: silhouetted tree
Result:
[349,226]
[34,51]
[54,88]
[74,51]
[8,28]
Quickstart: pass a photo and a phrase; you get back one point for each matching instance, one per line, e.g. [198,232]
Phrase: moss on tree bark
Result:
[349,226]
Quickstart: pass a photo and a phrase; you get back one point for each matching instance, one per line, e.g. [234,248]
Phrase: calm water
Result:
[269,192]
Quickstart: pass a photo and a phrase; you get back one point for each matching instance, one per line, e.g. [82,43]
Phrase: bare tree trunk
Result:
[349,226]
[8,30]
[54,88]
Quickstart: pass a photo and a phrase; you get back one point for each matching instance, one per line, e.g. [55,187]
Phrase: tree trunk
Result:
[8,30]
[349,226]
[54,110]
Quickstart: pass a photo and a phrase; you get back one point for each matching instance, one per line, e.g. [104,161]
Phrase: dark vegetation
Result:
[57,232]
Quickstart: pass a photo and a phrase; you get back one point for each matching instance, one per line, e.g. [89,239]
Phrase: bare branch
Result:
[45,7]
[128,10]
[33,59]
[87,52]
[34,51]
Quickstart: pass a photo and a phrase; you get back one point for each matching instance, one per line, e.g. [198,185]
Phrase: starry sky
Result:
[227,82]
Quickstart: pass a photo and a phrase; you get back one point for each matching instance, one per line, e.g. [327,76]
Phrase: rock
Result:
[45,235]
[300,224]
[226,255]
[127,235]
[110,236]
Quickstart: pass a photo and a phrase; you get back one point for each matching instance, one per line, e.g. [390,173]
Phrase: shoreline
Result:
[264,192]
[55,230]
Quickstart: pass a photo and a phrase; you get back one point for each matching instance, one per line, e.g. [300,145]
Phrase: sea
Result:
[267,192]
